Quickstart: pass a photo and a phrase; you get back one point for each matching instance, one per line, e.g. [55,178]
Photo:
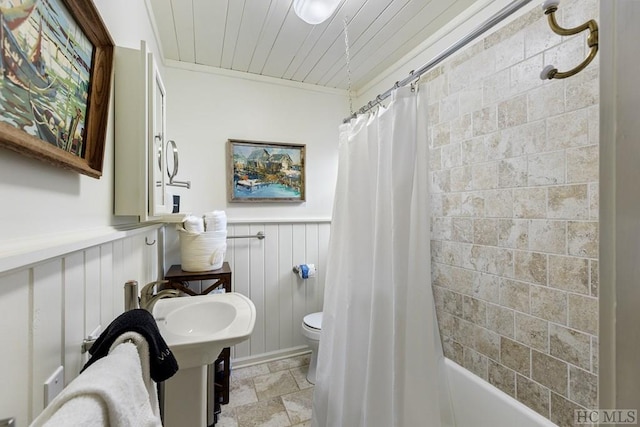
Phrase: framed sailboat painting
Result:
[55,74]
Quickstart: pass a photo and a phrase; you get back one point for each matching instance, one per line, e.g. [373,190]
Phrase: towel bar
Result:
[259,235]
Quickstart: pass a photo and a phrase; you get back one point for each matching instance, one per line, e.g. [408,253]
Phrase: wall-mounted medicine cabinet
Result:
[140,137]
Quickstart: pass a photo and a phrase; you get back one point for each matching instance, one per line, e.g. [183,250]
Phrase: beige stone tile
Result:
[583,313]
[276,384]
[496,88]
[304,424]
[288,363]
[530,203]
[485,232]
[513,233]
[485,121]
[451,204]
[594,201]
[539,38]
[266,413]
[547,100]
[441,181]
[593,117]
[570,345]
[486,288]
[471,99]
[583,91]
[514,295]
[569,274]
[475,362]
[473,151]
[583,387]
[532,331]
[300,375]
[516,26]
[498,203]
[530,138]
[484,176]
[549,304]
[522,72]
[451,156]
[441,134]
[447,300]
[582,164]
[298,405]
[460,179]
[434,117]
[227,417]
[241,392]
[487,342]
[462,230]
[594,277]
[550,372]
[546,168]
[502,377]
[594,355]
[568,130]
[512,173]
[530,267]
[439,88]
[441,228]
[435,159]
[562,411]
[453,350]
[515,356]
[501,320]
[509,51]
[492,260]
[532,394]
[497,146]
[547,236]
[474,310]
[473,204]
[512,112]
[449,108]
[249,371]
[582,238]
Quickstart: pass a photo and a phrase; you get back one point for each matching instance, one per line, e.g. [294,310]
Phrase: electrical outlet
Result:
[54,385]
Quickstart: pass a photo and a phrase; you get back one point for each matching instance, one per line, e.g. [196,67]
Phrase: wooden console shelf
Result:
[220,370]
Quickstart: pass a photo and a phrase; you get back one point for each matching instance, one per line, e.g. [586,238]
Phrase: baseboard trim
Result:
[272,356]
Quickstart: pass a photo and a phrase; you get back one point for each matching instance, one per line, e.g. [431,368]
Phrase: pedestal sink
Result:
[196,330]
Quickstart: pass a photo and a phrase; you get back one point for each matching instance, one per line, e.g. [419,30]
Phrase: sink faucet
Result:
[148,299]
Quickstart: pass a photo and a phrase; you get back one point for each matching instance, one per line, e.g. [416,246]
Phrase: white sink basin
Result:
[198,328]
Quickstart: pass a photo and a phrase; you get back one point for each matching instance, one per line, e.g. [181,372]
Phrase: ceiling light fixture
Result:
[315,11]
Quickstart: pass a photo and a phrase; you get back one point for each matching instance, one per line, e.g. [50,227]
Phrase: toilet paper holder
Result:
[296,269]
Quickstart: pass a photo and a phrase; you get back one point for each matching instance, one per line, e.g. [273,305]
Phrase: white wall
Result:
[207,106]
[39,199]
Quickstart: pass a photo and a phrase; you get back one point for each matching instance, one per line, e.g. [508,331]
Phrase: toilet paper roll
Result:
[305,270]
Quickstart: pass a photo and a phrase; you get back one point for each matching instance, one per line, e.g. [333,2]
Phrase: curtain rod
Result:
[415,74]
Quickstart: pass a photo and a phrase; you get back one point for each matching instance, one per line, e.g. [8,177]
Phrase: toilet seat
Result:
[313,320]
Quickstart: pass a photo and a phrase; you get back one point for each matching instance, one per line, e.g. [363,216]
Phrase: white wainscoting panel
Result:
[48,308]
[263,271]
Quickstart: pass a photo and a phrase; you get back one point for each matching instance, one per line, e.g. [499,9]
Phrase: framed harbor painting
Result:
[55,75]
[265,171]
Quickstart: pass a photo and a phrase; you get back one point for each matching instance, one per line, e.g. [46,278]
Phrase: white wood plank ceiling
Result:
[266,37]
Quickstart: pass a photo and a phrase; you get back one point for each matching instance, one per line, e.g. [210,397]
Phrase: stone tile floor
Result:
[271,394]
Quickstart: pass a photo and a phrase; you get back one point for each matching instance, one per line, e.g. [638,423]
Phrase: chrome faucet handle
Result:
[165,293]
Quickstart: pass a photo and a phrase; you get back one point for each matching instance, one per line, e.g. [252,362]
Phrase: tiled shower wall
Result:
[514,167]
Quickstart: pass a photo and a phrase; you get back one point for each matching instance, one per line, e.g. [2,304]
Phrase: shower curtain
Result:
[380,361]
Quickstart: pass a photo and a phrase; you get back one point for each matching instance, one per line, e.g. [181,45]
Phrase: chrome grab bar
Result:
[259,235]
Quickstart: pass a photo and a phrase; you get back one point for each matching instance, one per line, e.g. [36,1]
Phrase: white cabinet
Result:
[140,142]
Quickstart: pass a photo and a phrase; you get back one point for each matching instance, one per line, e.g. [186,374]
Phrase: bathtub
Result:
[477,403]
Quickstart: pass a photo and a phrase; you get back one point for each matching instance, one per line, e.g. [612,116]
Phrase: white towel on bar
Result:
[193,224]
[115,391]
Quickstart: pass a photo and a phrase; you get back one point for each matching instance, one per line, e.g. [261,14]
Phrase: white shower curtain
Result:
[380,361]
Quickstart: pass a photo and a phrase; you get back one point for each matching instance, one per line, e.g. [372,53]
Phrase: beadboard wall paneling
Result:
[263,271]
[50,307]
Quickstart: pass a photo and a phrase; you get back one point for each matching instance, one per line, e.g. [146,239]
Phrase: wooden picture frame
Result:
[57,105]
[260,171]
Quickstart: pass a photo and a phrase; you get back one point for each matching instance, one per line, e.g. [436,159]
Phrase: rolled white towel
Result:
[215,221]
[193,224]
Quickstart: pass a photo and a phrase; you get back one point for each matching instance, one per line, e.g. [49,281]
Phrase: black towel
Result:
[161,360]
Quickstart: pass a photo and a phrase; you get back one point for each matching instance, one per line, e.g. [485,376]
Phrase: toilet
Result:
[311,328]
